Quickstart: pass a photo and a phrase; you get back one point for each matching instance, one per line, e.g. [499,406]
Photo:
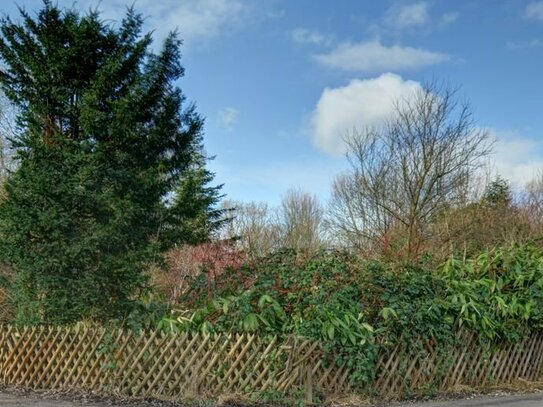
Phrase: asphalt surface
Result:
[526,400]
[19,401]
[523,400]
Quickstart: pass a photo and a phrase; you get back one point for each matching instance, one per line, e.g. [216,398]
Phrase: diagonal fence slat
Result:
[180,366]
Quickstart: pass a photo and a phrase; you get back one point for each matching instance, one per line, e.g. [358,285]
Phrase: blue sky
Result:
[280,81]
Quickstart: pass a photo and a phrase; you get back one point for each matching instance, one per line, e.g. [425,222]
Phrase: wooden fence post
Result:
[194,385]
[308,385]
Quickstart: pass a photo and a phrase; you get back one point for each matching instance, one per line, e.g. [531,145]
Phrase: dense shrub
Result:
[185,262]
[7,306]
[355,307]
[498,294]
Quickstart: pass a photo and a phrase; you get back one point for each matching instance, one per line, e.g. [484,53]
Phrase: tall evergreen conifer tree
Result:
[106,142]
[194,211]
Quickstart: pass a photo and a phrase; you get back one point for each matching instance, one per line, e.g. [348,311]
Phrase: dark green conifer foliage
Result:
[498,193]
[194,213]
[106,142]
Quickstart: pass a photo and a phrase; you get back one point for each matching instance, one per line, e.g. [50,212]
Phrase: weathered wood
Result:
[308,386]
[175,366]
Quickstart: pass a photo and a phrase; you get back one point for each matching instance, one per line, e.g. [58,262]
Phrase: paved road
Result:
[16,401]
[529,400]
[7,399]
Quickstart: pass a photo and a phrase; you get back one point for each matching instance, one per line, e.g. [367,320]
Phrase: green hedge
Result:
[354,307]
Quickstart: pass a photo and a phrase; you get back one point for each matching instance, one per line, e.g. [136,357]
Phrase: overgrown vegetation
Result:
[355,307]
[107,212]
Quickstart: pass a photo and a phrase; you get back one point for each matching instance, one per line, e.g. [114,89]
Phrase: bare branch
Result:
[407,172]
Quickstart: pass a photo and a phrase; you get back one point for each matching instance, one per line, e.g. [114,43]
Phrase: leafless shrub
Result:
[300,219]
[8,130]
[253,226]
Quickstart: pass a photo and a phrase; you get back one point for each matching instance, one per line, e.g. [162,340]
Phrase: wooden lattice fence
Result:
[179,366]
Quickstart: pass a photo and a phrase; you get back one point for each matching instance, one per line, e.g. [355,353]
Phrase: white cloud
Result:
[534,10]
[305,36]
[228,117]
[516,158]
[414,16]
[372,56]
[407,16]
[449,18]
[361,103]
[514,45]
[274,14]
[195,19]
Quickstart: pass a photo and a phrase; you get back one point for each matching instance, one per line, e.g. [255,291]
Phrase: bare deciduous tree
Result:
[530,206]
[351,220]
[403,174]
[300,218]
[533,199]
[260,229]
[7,132]
[254,226]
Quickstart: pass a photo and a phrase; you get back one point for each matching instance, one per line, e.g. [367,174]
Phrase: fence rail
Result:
[180,366]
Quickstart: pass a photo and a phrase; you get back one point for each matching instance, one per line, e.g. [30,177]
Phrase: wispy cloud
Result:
[514,45]
[372,56]
[305,36]
[418,15]
[534,10]
[517,158]
[228,117]
[449,18]
[194,19]
[274,14]
[407,15]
